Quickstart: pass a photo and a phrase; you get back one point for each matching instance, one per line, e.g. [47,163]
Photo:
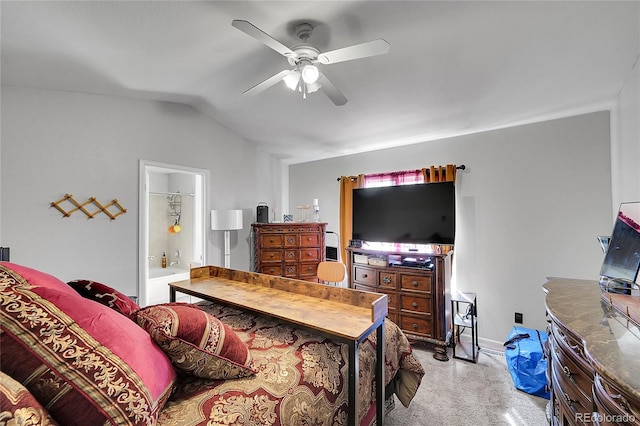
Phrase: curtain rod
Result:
[460,167]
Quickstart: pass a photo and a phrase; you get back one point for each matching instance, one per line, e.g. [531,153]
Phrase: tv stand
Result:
[417,285]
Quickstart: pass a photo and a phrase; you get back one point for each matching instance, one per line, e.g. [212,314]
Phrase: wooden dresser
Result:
[594,363]
[418,295]
[291,249]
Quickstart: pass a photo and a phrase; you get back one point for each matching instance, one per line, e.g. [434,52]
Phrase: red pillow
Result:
[106,295]
[196,341]
[82,360]
[19,407]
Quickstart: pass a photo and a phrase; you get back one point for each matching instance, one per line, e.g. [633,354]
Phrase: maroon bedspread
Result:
[302,378]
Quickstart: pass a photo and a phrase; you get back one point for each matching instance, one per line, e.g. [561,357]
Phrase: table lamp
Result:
[226,220]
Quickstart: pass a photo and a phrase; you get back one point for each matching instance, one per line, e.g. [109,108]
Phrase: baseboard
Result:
[486,345]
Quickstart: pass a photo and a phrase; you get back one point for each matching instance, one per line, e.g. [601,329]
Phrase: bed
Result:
[147,367]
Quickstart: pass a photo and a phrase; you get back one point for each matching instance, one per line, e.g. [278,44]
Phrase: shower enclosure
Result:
[172,225]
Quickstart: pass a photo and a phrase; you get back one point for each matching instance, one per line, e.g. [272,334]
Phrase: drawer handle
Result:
[415,325]
[271,271]
[271,240]
[386,279]
[414,304]
[271,255]
[309,239]
[569,401]
[364,275]
[415,283]
[568,373]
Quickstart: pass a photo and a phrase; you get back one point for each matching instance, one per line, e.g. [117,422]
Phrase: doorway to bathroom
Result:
[172,239]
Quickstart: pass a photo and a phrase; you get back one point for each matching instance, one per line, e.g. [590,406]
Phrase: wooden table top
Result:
[316,308]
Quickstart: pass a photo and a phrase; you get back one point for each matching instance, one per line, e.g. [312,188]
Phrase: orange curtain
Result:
[347,185]
[440,173]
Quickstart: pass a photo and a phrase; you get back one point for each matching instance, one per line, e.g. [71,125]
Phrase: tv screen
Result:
[622,259]
[411,214]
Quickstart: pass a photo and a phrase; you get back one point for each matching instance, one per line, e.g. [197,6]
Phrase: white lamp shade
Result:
[226,220]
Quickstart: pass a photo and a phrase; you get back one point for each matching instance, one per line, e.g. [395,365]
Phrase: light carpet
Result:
[459,393]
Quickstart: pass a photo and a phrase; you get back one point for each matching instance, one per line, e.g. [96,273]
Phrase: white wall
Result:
[625,143]
[530,205]
[55,143]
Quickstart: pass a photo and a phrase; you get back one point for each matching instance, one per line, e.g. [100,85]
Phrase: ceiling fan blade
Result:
[255,32]
[357,51]
[331,91]
[271,81]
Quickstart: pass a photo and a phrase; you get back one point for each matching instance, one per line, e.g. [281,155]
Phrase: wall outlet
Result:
[518,318]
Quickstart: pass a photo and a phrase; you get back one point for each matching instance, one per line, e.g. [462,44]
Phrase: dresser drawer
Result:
[569,397]
[271,269]
[272,256]
[271,240]
[365,275]
[416,282]
[308,269]
[309,240]
[570,386]
[422,326]
[415,304]
[290,270]
[569,370]
[387,280]
[392,299]
[291,240]
[568,343]
[309,254]
[612,403]
[290,255]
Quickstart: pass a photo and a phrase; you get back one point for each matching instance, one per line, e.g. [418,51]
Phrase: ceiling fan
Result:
[305,77]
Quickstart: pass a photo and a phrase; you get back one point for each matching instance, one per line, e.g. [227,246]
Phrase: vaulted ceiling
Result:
[454,67]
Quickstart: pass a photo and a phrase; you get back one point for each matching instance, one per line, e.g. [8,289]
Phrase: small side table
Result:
[464,315]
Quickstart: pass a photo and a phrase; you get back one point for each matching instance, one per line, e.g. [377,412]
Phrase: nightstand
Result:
[464,315]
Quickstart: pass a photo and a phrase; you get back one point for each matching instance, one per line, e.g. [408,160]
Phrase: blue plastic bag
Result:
[527,361]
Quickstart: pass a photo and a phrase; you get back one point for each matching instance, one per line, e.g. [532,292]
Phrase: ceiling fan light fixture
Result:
[292,79]
[310,73]
[313,87]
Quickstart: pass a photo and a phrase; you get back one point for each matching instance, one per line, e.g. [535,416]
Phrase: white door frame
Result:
[201,207]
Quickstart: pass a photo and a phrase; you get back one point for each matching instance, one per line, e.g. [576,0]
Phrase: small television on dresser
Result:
[410,214]
[622,259]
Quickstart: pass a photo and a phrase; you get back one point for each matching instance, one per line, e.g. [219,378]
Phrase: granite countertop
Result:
[610,340]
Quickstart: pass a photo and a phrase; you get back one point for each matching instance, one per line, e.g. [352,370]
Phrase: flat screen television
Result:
[410,214]
[622,259]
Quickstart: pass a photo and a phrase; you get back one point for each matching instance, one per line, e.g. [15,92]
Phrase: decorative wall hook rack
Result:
[83,207]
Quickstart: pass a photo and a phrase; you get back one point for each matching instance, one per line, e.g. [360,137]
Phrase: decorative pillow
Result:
[19,407]
[106,295]
[82,360]
[196,341]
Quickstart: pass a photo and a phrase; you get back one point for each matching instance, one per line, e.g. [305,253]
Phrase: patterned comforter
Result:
[302,378]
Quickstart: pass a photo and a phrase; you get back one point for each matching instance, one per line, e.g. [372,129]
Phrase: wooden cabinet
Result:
[594,357]
[418,295]
[289,249]
[571,375]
